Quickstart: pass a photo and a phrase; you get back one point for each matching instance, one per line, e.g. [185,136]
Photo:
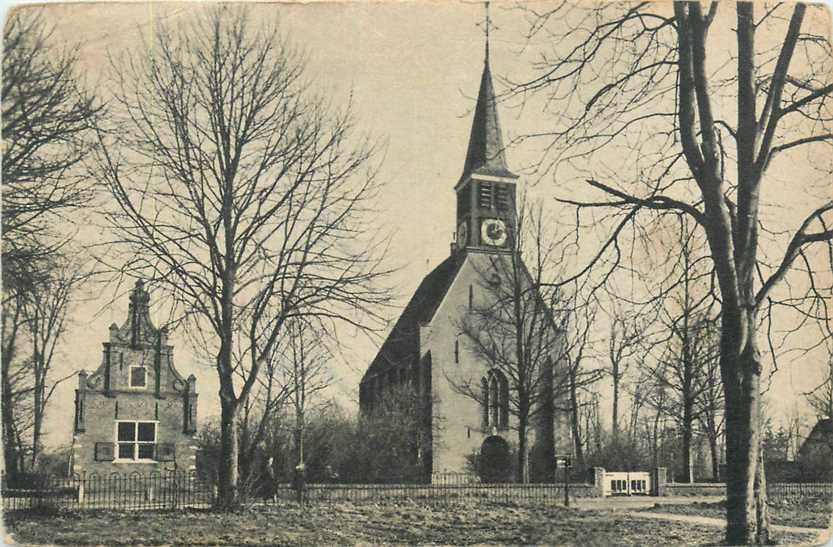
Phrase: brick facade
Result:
[136,382]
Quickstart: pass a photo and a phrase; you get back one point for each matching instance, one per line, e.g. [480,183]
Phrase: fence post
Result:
[658,479]
[599,481]
[79,493]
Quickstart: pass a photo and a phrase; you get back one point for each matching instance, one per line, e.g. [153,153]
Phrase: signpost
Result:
[564,461]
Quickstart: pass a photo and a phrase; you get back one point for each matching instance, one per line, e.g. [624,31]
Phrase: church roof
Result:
[822,433]
[486,153]
[402,344]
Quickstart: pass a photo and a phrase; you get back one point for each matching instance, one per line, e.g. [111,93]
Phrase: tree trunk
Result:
[37,419]
[715,457]
[615,421]
[746,512]
[228,497]
[688,419]
[523,452]
[10,446]
[36,438]
[574,410]
[761,508]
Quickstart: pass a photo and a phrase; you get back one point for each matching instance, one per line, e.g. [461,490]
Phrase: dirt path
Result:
[710,521]
[823,536]
[627,507]
[637,502]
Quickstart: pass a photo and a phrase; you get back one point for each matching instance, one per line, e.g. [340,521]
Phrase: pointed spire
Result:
[486,153]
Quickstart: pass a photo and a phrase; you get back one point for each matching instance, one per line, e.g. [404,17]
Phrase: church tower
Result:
[486,206]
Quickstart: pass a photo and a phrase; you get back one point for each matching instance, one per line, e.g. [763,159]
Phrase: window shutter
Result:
[484,198]
[165,452]
[104,452]
[502,197]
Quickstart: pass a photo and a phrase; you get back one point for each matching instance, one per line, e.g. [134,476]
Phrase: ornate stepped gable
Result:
[140,336]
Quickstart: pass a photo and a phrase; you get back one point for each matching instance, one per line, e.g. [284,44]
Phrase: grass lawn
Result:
[361,523]
[808,511]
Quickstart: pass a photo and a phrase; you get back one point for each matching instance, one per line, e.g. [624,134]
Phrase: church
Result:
[470,395]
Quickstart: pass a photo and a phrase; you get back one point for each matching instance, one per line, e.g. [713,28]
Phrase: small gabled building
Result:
[136,412]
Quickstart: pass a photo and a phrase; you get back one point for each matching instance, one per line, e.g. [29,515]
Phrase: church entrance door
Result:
[495,463]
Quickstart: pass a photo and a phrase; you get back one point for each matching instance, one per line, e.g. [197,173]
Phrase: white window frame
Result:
[135,442]
[130,377]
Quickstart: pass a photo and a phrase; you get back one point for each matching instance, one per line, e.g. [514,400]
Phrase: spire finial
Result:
[487,26]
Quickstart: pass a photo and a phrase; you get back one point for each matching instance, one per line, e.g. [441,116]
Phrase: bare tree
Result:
[651,79]
[591,422]
[685,374]
[624,342]
[580,377]
[306,372]
[260,410]
[47,117]
[657,399]
[34,323]
[45,309]
[710,403]
[242,194]
[47,122]
[15,385]
[690,350]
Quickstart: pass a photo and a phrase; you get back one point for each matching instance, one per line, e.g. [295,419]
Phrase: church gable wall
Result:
[461,428]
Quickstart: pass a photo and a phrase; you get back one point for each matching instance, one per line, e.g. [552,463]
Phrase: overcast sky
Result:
[413,70]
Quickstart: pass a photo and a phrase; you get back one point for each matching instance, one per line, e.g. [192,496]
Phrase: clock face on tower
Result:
[463,234]
[493,232]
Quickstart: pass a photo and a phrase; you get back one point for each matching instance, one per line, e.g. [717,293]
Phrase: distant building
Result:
[816,452]
[135,412]
[425,347]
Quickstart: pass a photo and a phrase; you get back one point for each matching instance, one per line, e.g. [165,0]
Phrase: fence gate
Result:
[627,484]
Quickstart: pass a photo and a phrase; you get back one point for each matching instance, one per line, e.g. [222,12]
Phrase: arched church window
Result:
[484,383]
[495,400]
[494,403]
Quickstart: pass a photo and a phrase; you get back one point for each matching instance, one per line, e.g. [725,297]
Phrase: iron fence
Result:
[443,489]
[781,490]
[116,491]
[186,489]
